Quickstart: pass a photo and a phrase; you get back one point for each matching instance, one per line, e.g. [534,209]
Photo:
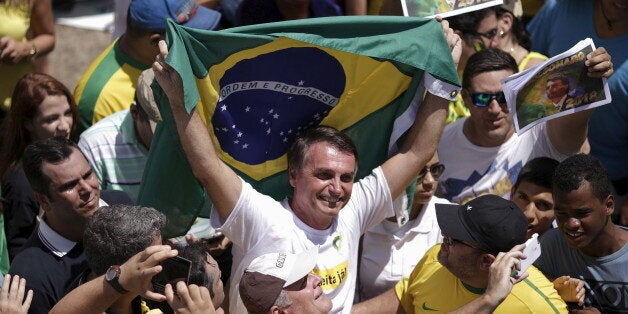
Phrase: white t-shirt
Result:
[472,170]
[390,252]
[258,225]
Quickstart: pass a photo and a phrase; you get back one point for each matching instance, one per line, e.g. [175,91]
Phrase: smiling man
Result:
[586,244]
[326,208]
[482,152]
[65,186]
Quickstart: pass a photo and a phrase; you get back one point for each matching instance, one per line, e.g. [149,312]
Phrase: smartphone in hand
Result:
[532,251]
[173,270]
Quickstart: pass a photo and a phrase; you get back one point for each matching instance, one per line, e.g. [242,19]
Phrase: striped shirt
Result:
[107,86]
[114,152]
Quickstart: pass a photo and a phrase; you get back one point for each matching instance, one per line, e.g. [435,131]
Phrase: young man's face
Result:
[492,124]
[537,205]
[309,298]
[426,186]
[581,216]
[324,184]
[74,189]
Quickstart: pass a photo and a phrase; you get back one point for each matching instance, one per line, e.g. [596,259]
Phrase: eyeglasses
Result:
[449,241]
[483,99]
[488,35]
[436,170]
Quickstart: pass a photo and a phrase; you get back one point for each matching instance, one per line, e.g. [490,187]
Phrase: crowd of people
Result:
[439,226]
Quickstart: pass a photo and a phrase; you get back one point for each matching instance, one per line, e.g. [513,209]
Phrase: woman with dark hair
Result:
[41,107]
[514,38]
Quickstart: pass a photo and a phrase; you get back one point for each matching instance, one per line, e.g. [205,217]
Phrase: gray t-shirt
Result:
[606,277]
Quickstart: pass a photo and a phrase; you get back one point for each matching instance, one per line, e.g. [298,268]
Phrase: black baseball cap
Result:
[496,223]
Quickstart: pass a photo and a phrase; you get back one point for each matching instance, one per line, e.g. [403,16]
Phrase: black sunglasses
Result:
[483,99]
[488,35]
[436,170]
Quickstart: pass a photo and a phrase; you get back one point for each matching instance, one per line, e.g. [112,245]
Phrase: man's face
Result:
[458,258]
[555,89]
[309,298]
[74,190]
[537,205]
[323,186]
[581,216]
[426,187]
[492,124]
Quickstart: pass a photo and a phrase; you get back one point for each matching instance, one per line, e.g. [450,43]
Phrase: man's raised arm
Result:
[424,135]
[568,133]
[221,183]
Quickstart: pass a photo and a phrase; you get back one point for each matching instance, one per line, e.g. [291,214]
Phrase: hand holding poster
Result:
[557,87]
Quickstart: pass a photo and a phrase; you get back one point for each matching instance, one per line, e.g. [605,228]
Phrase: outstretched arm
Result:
[424,135]
[569,132]
[221,183]
[96,296]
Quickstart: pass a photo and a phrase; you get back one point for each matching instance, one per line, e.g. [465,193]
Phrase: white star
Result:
[239,134]
[285,139]
[245,146]
[290,131]
[268,131]
[261,120]
[301,83]
[236,142]
[276,116]
[317,116]
[266,122]
[281,133]
[233,126]
[223,107]
[225,129]
[270,111]
[469,207]
[298,128]
[290,97]
[247,109]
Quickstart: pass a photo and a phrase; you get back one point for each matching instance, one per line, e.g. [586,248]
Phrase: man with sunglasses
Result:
[472,271]
[391,250]
[482,152]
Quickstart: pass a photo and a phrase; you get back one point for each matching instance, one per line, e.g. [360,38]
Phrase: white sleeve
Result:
[370,202]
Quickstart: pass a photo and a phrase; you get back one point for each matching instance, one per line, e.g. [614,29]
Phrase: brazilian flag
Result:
[258,87]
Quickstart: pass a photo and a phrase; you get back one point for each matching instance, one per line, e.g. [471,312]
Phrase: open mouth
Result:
[332,201]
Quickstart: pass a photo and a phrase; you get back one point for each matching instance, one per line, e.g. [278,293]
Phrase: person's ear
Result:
[485,261]
[292,177]
[275,310]
[466,97]
[43,200]
[609,204]
[505,23]
[155,38]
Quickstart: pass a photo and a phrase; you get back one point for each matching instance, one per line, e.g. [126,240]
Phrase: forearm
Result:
[222,184]
[567,134]
[42,25]
[419,145]
[94,296]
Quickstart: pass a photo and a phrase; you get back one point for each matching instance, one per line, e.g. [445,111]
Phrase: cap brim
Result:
[450,221]
[205,18]
[305,262]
